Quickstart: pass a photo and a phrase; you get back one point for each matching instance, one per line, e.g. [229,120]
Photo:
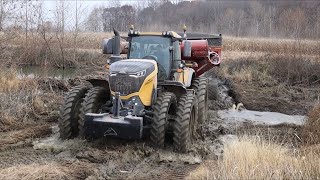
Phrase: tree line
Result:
[264,18]
[258,18]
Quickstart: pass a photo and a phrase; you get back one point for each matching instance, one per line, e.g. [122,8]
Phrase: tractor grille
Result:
[125,84]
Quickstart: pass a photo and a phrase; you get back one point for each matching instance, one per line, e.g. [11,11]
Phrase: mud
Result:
[287,100]
[39,151]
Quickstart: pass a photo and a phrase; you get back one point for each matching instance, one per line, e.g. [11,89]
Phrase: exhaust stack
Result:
[115,47]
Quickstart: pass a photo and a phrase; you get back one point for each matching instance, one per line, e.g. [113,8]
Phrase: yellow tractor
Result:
[157,92]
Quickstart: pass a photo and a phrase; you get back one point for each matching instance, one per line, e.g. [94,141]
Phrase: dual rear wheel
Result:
[79,101]
[179,116]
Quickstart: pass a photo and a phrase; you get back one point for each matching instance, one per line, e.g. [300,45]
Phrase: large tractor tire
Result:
[213,89]
[70,112]
[184,126]
[164,110]
[200,85]
[93,103]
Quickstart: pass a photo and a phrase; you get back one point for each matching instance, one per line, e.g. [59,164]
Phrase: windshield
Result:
[154,46]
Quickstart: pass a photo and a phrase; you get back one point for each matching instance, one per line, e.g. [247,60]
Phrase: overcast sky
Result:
[85,5]
[84,8]
[50,4]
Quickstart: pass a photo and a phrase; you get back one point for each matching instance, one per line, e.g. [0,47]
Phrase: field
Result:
[267,75]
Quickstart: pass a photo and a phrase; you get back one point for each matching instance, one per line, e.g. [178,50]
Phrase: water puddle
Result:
[260,118]
[39,71]
[56,145]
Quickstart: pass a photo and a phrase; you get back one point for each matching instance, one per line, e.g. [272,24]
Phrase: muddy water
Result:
[39,71]
[260,118]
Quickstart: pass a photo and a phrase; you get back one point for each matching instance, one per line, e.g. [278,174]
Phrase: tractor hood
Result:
[132,66]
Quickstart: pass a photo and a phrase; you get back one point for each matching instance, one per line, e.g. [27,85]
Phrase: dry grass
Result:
[252,158]
[88,45]
[39,51]
[23,103]
[311,131]
[270,45]
[271,70]
[85,40]
[16,100]
[49,170]
[8,80]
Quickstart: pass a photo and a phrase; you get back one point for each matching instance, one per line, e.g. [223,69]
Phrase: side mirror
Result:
[187,48]
[176,51]
[107,46]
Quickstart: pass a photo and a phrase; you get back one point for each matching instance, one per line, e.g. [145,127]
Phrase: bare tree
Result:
[60,30]
[94,20]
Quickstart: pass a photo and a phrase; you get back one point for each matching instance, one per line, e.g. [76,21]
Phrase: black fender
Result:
[175,87]
[99,82]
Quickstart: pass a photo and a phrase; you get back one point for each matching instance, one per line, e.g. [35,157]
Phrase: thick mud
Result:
[48,157]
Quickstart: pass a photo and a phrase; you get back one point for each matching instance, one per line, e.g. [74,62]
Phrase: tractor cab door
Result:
[153,47]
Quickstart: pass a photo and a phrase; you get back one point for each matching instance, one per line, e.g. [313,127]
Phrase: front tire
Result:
[70,112]
[92,103]
[184,126]
[164,109]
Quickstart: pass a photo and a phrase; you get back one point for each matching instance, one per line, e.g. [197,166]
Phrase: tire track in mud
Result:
[16,146]
[172,166]
[179,173]
[24,156]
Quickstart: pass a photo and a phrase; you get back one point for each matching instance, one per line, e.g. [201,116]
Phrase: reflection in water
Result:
[47,72]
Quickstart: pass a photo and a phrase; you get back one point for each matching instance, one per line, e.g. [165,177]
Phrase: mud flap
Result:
[102,125]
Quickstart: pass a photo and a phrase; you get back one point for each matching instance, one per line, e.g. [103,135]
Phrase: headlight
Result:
[112,74]
[138,74]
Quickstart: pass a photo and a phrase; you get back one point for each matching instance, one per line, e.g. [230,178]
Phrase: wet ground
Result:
[44,155]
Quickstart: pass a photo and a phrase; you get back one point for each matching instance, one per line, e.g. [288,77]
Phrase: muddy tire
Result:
[70,112]
[163,109]
[94,100]
[184,125]
[213,91]
[200,85]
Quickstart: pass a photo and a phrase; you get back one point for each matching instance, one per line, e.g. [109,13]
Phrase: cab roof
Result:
[168,33]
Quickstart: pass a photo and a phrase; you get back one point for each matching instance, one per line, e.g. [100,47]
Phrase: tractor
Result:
[157,92]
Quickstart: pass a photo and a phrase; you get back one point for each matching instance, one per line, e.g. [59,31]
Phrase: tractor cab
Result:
[155,46]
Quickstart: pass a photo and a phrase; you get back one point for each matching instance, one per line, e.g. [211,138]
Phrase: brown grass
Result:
[41,52]
[271,70]
[272,46]
[252,158]
[311,131]
[8,80]
[47,52]
[22,102]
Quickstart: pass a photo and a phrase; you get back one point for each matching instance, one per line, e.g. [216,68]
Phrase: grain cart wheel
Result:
[200,85]
[93,103]
[184,126]
[213,93]
[164,110]
[70,112]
